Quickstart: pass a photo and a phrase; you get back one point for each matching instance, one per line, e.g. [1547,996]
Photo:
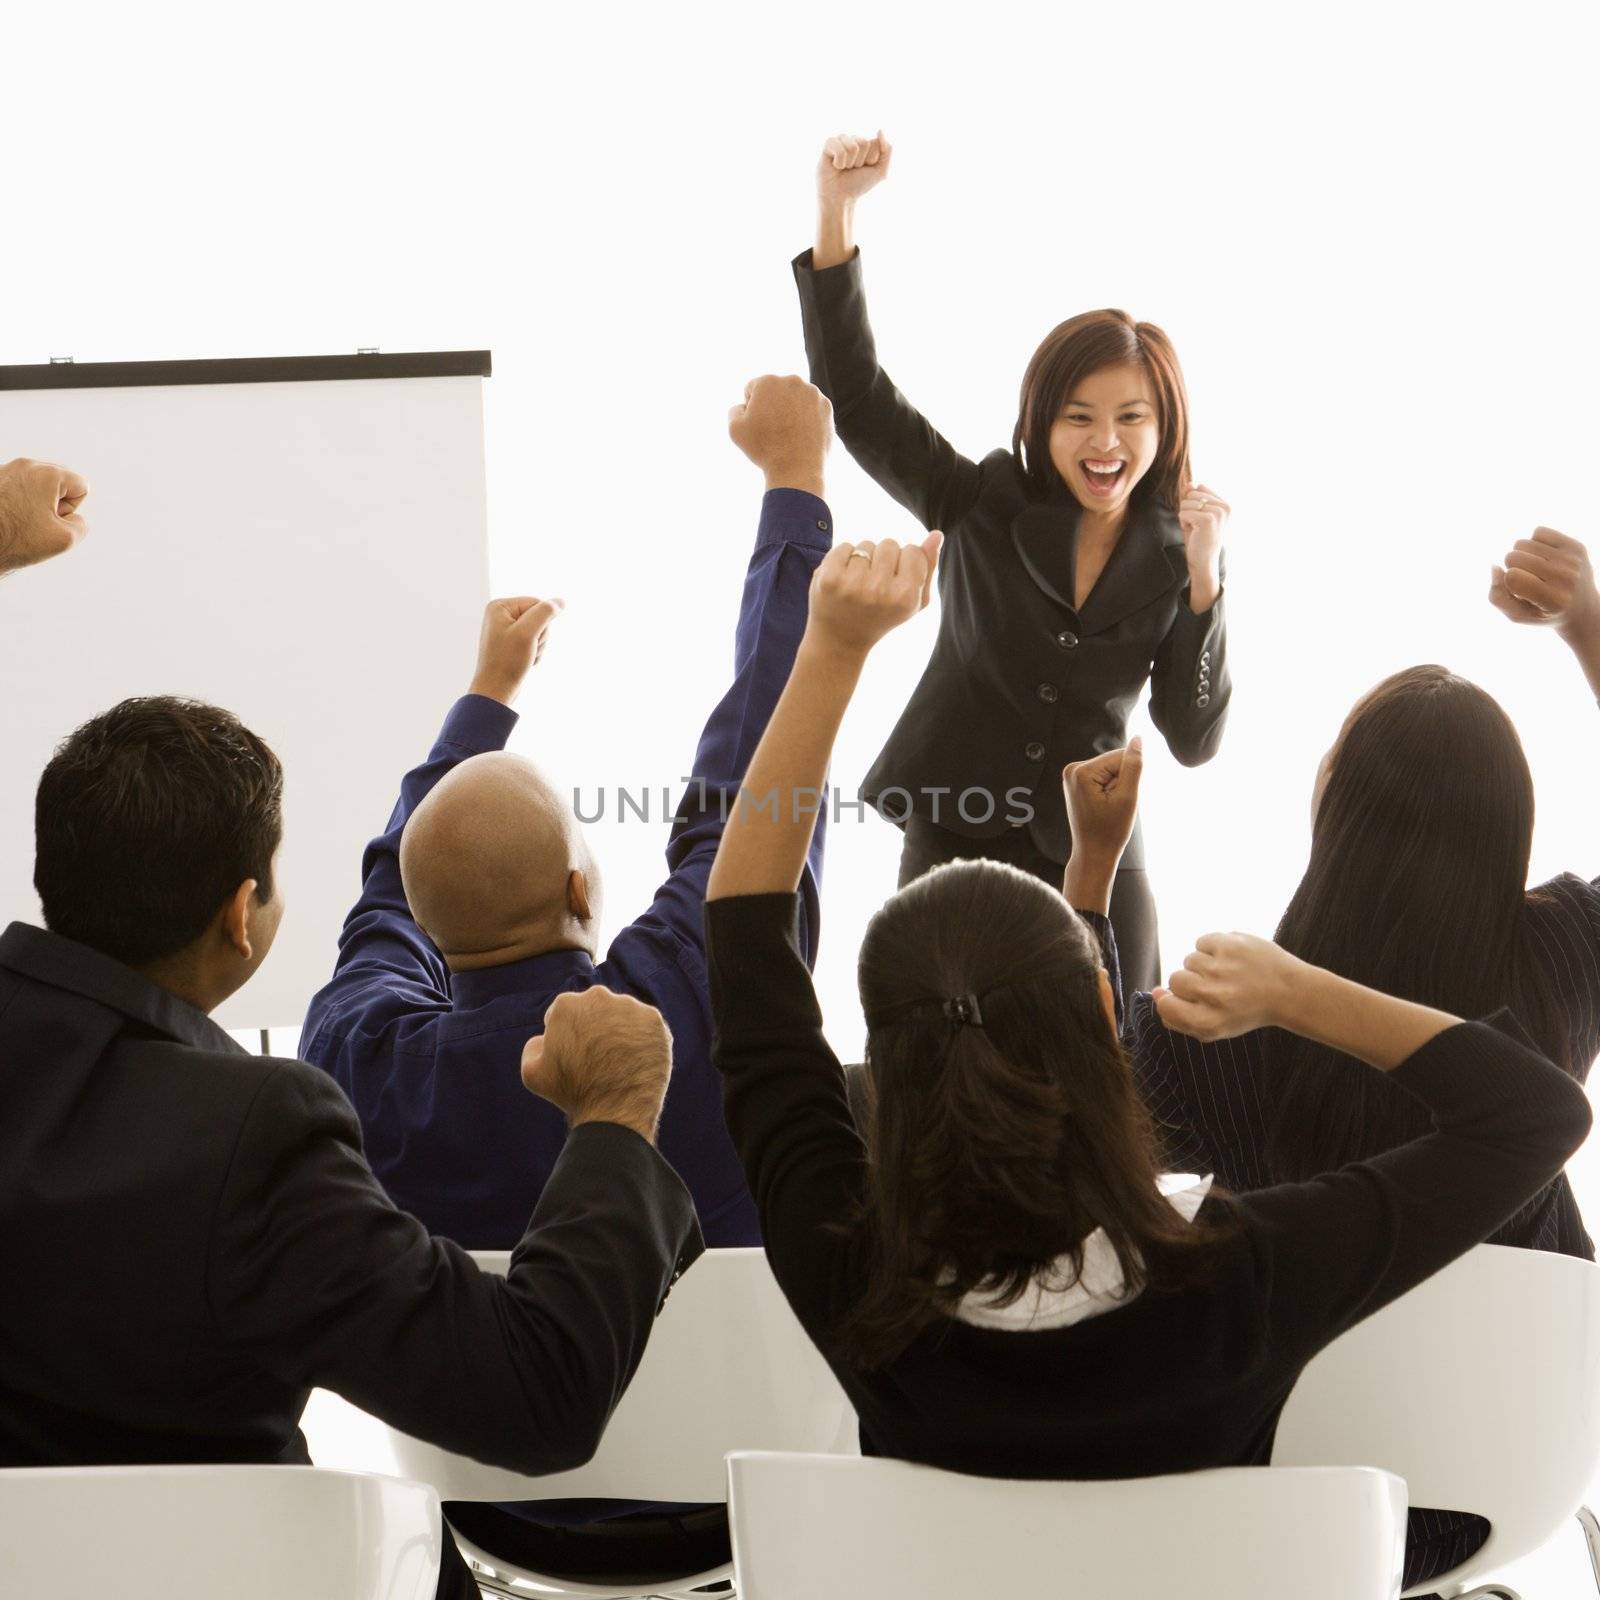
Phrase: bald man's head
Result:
[495,865]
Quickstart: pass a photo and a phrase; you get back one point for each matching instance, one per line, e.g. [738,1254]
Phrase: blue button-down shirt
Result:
[430,1058]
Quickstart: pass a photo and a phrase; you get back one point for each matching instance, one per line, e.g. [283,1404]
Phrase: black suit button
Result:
[1067,640]
[1203,700]
[1048,693]
[1033,750]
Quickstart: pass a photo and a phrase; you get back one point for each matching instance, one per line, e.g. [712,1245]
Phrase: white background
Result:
[1367,228]
[1371,240]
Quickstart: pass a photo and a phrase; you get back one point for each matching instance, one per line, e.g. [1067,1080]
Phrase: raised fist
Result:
[785,426]
[1547,580]
[511,641]
[850,166]
[39,515]
[863,591]
[1103,799]
[602,1057]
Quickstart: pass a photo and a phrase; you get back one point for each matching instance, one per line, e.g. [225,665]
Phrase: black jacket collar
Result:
[65,964]
[1148,559]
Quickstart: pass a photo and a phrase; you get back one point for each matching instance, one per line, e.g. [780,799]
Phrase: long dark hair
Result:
[995,1150]
[1077,349]
[1417,885]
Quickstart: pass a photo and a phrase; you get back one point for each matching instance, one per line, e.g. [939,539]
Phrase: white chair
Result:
[728,1367]
[191,1533]
[893,1529]
[1481,1388]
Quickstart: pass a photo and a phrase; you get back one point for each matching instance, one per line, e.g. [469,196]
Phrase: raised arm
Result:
[784,1093]
[381,945]
[888,436]
[859,594]
[39,515]
[1548,581]
[1340,1247]
[1102,796]
[784,426]
[324,1282]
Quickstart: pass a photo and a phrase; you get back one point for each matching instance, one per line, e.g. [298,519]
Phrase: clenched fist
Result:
[785,426]
[1202,515]
[602,1057]
[511,641]
[1103,799]
[850,166]
[1231,983]
[39,515]
[1548,580]
[863,591]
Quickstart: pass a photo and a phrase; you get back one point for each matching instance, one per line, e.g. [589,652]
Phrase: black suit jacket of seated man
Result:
[193,1241]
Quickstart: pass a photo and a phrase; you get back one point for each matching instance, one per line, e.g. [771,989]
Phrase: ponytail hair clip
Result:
[964,1008]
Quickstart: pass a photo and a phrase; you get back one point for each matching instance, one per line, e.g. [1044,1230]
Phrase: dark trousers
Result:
[455,1576]
[1439,1541]
[640,1549]
[1133,906]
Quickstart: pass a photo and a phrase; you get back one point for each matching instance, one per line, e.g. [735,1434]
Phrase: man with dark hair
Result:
[196,799]
[193,1239]
[39,515]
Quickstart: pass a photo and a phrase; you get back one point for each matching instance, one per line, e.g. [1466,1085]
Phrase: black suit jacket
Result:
[192,1241]
[1020,681]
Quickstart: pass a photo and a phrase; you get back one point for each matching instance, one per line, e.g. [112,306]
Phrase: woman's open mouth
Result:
[1102,478]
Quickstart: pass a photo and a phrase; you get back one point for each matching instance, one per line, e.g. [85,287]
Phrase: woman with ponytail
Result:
[998,1272]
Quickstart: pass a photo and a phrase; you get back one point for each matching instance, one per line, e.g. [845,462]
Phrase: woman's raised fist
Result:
[850,166]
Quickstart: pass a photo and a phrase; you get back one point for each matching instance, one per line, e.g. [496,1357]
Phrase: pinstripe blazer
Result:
[1212,1100]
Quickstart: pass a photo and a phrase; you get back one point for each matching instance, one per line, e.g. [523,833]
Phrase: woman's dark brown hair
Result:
[1417,885]
[995,1150]
[1077,349]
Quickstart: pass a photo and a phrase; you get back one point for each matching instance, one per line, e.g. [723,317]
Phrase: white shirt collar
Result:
[1055,1299]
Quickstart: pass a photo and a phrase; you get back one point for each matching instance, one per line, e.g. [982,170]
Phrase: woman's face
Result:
[1106,437]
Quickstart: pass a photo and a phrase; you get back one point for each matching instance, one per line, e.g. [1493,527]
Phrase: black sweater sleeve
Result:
[785,1102]
[1342,1246]
[316,1273]
[891,440]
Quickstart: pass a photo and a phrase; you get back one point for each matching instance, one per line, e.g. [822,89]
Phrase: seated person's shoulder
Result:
[297,1093]
[1567,892]
[226,1088]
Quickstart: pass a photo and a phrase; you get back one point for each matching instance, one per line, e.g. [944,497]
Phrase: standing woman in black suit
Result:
[1079,564]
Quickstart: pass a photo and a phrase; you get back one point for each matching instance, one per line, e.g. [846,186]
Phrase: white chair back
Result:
[727,1368]
[190,1533]
[854,1528]
[1481,1388]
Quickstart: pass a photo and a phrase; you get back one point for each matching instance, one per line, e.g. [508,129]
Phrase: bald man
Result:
[481,902]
